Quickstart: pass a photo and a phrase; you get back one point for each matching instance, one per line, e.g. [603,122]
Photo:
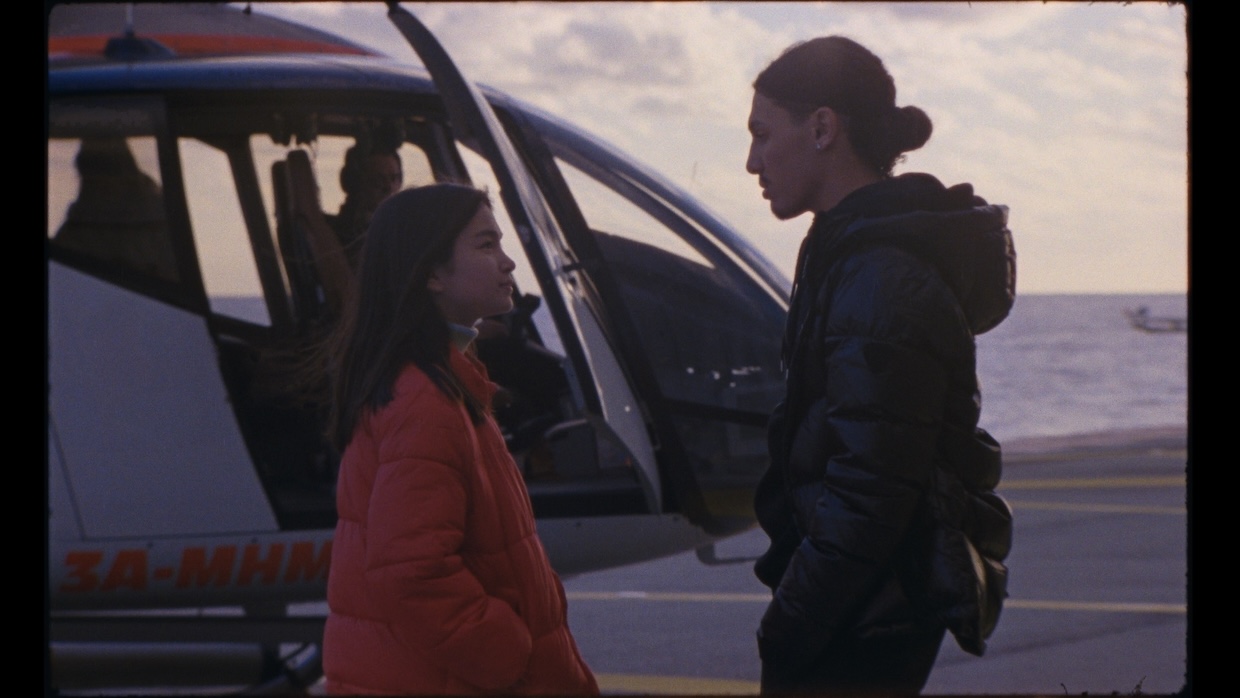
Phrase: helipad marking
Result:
[1172,608]
[1028,604]
[1038,457]
[665,596]
[1098,508]
[674,685]
[1072,483]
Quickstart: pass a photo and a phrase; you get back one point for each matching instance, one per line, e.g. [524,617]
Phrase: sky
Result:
[1072,114]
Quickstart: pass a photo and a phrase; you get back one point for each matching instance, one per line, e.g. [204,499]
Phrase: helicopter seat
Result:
[318,269]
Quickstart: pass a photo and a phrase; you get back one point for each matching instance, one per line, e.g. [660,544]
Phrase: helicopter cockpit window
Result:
[574,465]
[710,334]
[695,323]
[326,167]
[105,201]
[329,169]
[220,234]
[605,210]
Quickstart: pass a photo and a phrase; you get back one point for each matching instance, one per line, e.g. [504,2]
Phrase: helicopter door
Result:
[132,369]
[603,462]
[693,313]
[700,336]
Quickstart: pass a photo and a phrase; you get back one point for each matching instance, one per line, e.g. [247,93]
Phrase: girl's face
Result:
[477,281]
[782,153]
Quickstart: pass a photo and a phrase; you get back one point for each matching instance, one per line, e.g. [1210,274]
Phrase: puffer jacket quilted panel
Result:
[438,582]
[882,409]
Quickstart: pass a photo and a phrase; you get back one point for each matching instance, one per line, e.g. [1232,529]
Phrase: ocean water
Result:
[1069,364]
[1058,365]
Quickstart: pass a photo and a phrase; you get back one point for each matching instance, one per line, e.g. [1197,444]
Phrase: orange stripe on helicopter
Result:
[203,45]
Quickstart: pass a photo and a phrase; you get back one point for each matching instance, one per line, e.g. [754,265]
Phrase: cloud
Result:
[599,50]
[659,59]
[1149,32]
[1073,113]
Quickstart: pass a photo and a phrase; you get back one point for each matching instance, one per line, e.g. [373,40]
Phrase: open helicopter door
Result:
[601,463]
[695,313]
[683,348]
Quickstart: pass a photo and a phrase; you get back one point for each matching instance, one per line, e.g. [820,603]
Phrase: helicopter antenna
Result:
[131,48]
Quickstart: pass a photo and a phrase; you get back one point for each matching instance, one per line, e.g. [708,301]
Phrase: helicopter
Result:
[195,154]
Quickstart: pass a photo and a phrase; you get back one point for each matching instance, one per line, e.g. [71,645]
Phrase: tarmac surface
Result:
[1097,601]
[1098,589]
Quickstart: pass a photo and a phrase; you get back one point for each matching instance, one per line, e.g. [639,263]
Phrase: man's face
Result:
[380,178]
[782,153]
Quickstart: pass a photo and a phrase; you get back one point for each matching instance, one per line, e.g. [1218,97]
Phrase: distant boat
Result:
[1142,320]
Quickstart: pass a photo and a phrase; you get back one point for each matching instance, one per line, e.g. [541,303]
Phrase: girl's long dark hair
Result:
[391,318]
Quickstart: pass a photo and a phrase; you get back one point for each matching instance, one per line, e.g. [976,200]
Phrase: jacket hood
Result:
[959,233]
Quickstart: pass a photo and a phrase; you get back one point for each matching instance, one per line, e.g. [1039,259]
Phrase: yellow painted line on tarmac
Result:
[1093,455]
[674,685]
[1073,483]
[664,596]
[1036,605]
[1173,608]
[1098,508]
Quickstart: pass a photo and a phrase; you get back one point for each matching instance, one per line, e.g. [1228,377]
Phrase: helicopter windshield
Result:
[105,195]
[644,347]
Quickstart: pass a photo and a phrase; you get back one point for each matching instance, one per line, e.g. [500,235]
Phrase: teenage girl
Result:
[438,582]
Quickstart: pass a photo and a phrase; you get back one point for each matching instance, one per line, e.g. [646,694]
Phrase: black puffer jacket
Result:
[892,286]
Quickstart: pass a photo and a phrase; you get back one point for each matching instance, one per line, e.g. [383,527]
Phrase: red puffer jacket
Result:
[439,583]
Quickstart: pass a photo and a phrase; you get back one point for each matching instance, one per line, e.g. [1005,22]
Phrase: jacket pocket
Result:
[950,578]
[888,612]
